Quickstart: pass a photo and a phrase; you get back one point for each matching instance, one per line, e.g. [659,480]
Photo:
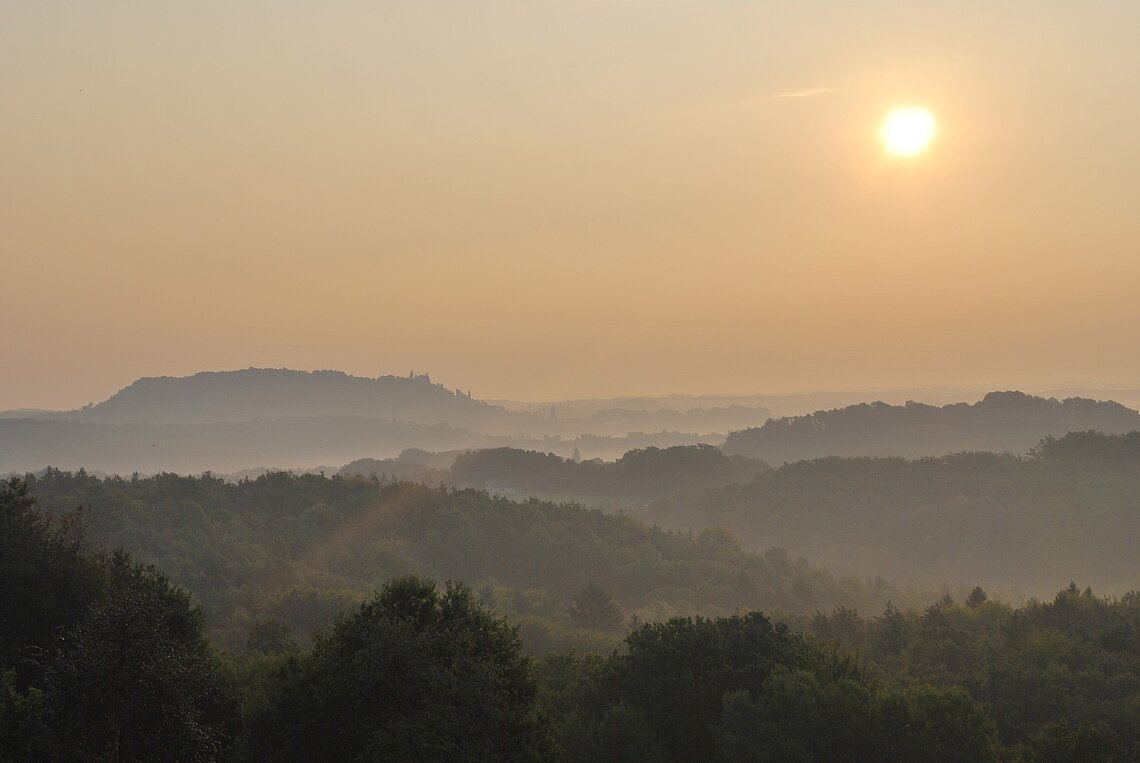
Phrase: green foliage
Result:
[976,597]
[134,679]
[415,674]
[798,717]
[891,631]
[745,689]
[118,667]
[103,658]
[1067,510]
[304,549]
[678,672]
[270,636]
[48,577]
[1062,741]
[594,608]
[1060,680]
[25,730]
[946,726]
[641,473]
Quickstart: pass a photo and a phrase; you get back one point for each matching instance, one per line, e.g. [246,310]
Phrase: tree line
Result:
[302,549]
[1066,509]
[1000,422]
[641,473]
[102,658]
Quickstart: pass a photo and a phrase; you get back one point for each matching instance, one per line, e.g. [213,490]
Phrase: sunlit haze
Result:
[542,200]
[908,131]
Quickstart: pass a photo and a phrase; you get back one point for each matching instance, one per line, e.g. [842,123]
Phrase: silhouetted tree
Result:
[102,658]
[594,608]
[415,674]
[135,679]
[48,577]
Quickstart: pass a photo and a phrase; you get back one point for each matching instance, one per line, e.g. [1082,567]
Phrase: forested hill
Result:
[641,473]
[103,659]
[1010,422]
[264,393]
[232,420]
[1069,510]
[301,549]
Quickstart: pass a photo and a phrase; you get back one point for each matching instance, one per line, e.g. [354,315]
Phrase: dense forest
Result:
[1000,519]
[285,616]
[1067,509]
[642,473]
[1050,681]
[1001,422]
[300,549]
[103,658]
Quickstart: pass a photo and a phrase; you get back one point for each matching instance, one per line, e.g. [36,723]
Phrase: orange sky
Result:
[562,199]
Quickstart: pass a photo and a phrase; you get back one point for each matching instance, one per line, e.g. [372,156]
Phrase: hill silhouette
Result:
[1010,422]
[236,420]
[1066,510]
[642,473]
[263,393]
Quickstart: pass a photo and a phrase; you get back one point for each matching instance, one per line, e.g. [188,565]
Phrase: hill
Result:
[232,421]
[1068,510]
[300,549]
[1010,422]
[642,473]
[265,393]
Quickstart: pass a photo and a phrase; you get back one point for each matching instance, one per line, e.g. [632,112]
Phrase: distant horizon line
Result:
[1039,388]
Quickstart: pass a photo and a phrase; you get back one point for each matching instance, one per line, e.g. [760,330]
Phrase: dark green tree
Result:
[1062,741]
[102,658]
[947,726]
[415,674]
[594,608]
[892,631]
[976,598]
[678,672]
[135,679]
[48,578]
[270,636]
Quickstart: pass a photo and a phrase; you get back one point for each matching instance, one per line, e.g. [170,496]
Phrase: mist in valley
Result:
[569,382]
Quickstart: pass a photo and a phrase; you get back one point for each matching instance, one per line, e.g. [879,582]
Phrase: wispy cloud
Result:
[808,93]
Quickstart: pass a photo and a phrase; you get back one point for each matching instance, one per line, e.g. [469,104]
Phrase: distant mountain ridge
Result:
[233,420]
[263,393]
[1000,422]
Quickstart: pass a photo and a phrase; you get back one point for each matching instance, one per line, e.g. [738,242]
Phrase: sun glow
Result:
[907,131]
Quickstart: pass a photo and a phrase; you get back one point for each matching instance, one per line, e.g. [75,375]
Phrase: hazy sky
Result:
[540,199]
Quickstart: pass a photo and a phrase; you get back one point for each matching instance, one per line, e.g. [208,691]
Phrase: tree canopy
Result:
[102,658]
[413,674]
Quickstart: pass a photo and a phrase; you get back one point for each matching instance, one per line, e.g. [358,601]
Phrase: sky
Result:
[543,200]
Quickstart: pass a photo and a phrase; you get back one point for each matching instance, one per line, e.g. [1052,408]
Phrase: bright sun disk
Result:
[907,131]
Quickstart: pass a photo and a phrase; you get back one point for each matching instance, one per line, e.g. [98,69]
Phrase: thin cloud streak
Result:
[804,93]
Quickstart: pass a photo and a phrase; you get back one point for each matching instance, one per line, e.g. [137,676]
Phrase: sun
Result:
[908,131]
